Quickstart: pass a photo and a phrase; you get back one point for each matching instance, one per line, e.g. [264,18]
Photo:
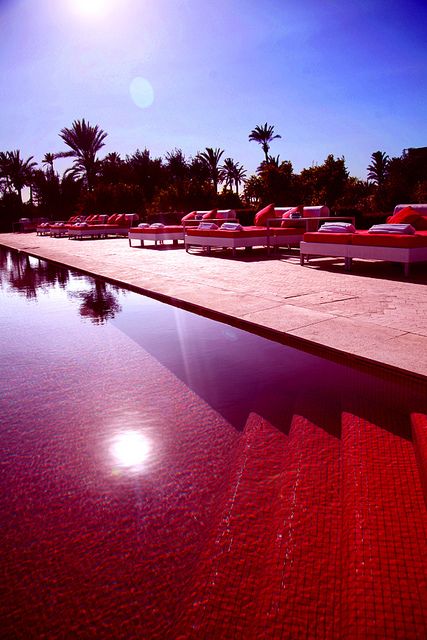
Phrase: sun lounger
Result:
[381,242]
[274,227]
[156,234]
[58,228]
[116,225]
[159,234]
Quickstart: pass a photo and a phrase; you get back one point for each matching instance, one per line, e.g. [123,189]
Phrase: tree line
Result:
[144,184]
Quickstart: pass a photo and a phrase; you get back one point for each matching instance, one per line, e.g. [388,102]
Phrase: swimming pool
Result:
[165,475]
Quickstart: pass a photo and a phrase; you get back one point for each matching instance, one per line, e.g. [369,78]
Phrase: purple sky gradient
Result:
[347,78]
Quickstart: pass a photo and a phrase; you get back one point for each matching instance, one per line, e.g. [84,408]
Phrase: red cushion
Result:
[119,219]
[263,215]
[170,228]
[420,224]
[189,216]
[299,224]
[246,232]
[408,215]
[299,209]
[389,239]
[288,230]
[210,214]
[111,219]
[330,238]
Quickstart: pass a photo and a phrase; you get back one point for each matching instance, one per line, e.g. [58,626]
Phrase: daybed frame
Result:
[405,255]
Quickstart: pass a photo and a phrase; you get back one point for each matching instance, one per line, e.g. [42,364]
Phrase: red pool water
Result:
[167,476]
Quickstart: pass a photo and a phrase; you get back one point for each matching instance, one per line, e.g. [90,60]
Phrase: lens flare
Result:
[141,92]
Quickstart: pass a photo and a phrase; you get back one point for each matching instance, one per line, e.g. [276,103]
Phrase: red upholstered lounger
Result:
[207,238]
[160,234]
[265,232]
[405,248]
[156,234]
[115,225]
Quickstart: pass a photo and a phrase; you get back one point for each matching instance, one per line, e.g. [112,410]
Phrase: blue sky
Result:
[332,76]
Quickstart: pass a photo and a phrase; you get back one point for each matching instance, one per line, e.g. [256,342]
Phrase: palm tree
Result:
[49,158]
[263,134]
[16,171]
[113,168]
[239,176]
[234,174]
[229,170]
[378,169]
[176,164]
[210,158]
[4,172]
[85,141]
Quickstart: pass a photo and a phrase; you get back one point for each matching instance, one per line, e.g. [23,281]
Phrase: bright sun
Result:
[91,8]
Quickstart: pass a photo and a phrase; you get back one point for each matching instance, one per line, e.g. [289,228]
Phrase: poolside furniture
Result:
[159,233]
[116,225]
[274,227]
[43,229]
[403,238]
[58,228]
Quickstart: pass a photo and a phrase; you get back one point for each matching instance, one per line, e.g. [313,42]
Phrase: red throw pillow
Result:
[420,224]
[408,215]
[292,224]
[111,219]
[299,209]
[124,221]
[263,215]
[210,214]
[189,216]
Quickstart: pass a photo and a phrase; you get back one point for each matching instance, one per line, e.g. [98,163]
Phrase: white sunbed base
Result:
[405,255]
[96,233]
[157,238]
[207,242]
[285,241]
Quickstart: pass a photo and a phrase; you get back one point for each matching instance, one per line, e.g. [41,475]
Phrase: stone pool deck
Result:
[373,313]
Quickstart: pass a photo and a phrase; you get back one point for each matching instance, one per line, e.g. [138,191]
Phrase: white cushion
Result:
[231,226]
[392,228]
[337,227]
[207,225]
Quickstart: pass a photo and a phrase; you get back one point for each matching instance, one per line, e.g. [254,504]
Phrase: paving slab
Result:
[373,312]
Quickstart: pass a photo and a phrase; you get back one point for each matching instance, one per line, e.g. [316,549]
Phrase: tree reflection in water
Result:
[100,303]
[27,275]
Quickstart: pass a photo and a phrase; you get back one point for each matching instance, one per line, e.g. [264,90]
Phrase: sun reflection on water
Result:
[131,450]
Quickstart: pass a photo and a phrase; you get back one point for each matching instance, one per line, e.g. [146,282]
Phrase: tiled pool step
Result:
[232,576]
[320,537]
[384,535]
[419,434]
